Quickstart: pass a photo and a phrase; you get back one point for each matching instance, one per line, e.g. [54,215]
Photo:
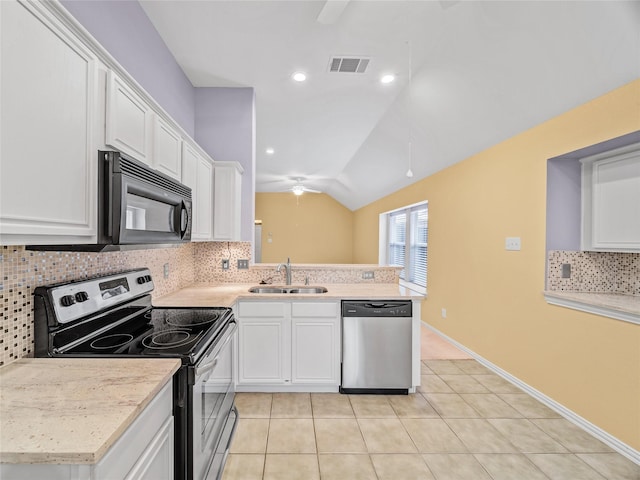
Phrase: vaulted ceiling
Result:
[482,71]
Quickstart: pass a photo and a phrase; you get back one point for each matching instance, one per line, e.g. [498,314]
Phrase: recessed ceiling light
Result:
[387,78]
[299,77]
[270,151]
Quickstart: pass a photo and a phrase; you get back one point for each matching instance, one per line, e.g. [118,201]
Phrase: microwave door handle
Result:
[184,220]
[107,197]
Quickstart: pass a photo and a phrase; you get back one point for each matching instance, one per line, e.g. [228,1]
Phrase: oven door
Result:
[149,213]
[213,397]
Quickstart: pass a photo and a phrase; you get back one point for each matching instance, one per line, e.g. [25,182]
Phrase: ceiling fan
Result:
[299,188]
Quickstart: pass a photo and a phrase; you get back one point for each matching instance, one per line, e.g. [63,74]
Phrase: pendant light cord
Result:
[410,172]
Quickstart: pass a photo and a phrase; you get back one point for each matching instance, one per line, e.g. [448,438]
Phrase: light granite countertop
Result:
[71,411]
[614,305]
[225,295]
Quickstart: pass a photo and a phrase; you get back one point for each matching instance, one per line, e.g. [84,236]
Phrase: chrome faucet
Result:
[287,269]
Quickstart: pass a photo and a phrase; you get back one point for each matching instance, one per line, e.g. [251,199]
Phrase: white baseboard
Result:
[616,444]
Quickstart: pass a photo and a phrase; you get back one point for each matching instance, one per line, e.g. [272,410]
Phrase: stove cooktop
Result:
[176,332]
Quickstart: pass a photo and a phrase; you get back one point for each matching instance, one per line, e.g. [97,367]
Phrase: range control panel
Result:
[79,299]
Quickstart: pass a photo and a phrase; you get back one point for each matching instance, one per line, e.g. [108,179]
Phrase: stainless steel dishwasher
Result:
[376,346]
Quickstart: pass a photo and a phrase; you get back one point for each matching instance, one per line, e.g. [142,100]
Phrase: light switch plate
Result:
[512,243]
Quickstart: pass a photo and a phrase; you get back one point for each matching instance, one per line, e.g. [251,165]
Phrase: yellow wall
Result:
[311,228]
[493,297]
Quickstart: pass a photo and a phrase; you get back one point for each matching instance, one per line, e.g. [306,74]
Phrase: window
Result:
[404,243]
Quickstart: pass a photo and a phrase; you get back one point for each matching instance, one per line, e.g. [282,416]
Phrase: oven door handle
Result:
[229,331]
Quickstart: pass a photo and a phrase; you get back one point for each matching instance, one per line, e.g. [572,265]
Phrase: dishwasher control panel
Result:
[376,308]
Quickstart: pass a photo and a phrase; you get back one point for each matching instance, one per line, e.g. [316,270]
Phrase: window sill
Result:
[616,306]
[413,287]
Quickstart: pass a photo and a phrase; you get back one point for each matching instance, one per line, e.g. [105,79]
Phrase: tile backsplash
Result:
[208,268]
[21,271]
[594,272]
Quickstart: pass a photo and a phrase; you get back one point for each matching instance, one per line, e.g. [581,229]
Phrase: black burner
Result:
[111,341]
[190,318]
[169,339]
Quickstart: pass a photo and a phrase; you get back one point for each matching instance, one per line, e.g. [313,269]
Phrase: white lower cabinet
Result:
[264,343]
[288,346]
[315,343]
[144,451]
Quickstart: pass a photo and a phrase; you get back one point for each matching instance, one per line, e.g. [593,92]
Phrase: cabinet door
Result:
[263,352]
[197,173]
[226,203]
[204,191]
[315,334]
[156,463]
[48,156]
[611,200]
[167,149]
[128,122]
[264,343]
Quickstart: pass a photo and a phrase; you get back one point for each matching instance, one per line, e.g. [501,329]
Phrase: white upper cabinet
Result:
[167,149]
[227,201]
[129,120]
[197,173]
[611,200]
[63,98]
[48,155]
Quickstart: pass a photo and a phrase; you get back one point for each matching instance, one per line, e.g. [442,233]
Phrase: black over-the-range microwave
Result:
[138,207]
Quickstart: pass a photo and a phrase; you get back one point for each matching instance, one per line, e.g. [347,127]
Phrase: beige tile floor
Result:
[464,423]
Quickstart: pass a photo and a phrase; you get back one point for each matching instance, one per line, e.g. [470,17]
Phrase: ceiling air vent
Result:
[348,65]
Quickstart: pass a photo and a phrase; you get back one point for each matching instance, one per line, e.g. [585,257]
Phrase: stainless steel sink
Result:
[267,290]
[294,290]
[308,290]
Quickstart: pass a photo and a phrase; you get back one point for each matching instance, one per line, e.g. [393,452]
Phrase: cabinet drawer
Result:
[261,309]
[314,309]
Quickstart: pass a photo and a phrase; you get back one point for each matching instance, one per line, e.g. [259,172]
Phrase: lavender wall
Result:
[225,128]
[125,31]
[563,204]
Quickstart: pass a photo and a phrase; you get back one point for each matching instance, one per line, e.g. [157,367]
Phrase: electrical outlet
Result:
[225,264]
[166,270]
[368,275]
[566,270]
[443,312]
[243,264]
[512,243]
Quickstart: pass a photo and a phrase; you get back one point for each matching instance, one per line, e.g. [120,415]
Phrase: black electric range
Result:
[113,316]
